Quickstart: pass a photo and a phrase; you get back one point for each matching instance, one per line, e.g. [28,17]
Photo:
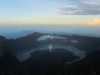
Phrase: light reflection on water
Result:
[22,56]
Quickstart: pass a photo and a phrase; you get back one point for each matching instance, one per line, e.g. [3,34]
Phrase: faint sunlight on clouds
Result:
[96,21]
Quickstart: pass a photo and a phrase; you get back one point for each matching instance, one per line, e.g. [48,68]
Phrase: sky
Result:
[47,12]
[74,16]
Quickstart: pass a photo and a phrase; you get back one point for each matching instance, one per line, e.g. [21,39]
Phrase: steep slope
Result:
[85,43]
[92,59]
[8,61]
[24,43]
[90,65]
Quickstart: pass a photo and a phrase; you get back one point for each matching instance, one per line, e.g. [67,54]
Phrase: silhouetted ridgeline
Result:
[44,62]
[8,62]
[85,43]
[25,43]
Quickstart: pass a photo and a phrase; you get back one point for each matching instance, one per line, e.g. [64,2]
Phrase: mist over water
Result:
[50,47]
[22,56]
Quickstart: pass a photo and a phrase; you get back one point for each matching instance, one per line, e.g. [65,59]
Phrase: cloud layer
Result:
[45,37]
[96,21]
[80,7]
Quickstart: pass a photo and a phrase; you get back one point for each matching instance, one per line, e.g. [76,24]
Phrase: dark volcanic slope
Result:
[90,65]
[8,61]
[92,59]
[85,43]
[46,59]
[24,43]
[55,60]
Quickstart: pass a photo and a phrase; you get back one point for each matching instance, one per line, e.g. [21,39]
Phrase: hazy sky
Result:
[85,12]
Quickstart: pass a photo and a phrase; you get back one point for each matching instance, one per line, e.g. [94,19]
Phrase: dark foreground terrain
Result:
[87,66]
[44,62]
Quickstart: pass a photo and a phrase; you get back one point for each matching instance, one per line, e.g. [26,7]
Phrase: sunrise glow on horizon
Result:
[58,12]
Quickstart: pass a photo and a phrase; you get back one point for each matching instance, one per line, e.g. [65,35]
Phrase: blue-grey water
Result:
[22,56]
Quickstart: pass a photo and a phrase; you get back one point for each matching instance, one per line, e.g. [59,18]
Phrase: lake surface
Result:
[22,56]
